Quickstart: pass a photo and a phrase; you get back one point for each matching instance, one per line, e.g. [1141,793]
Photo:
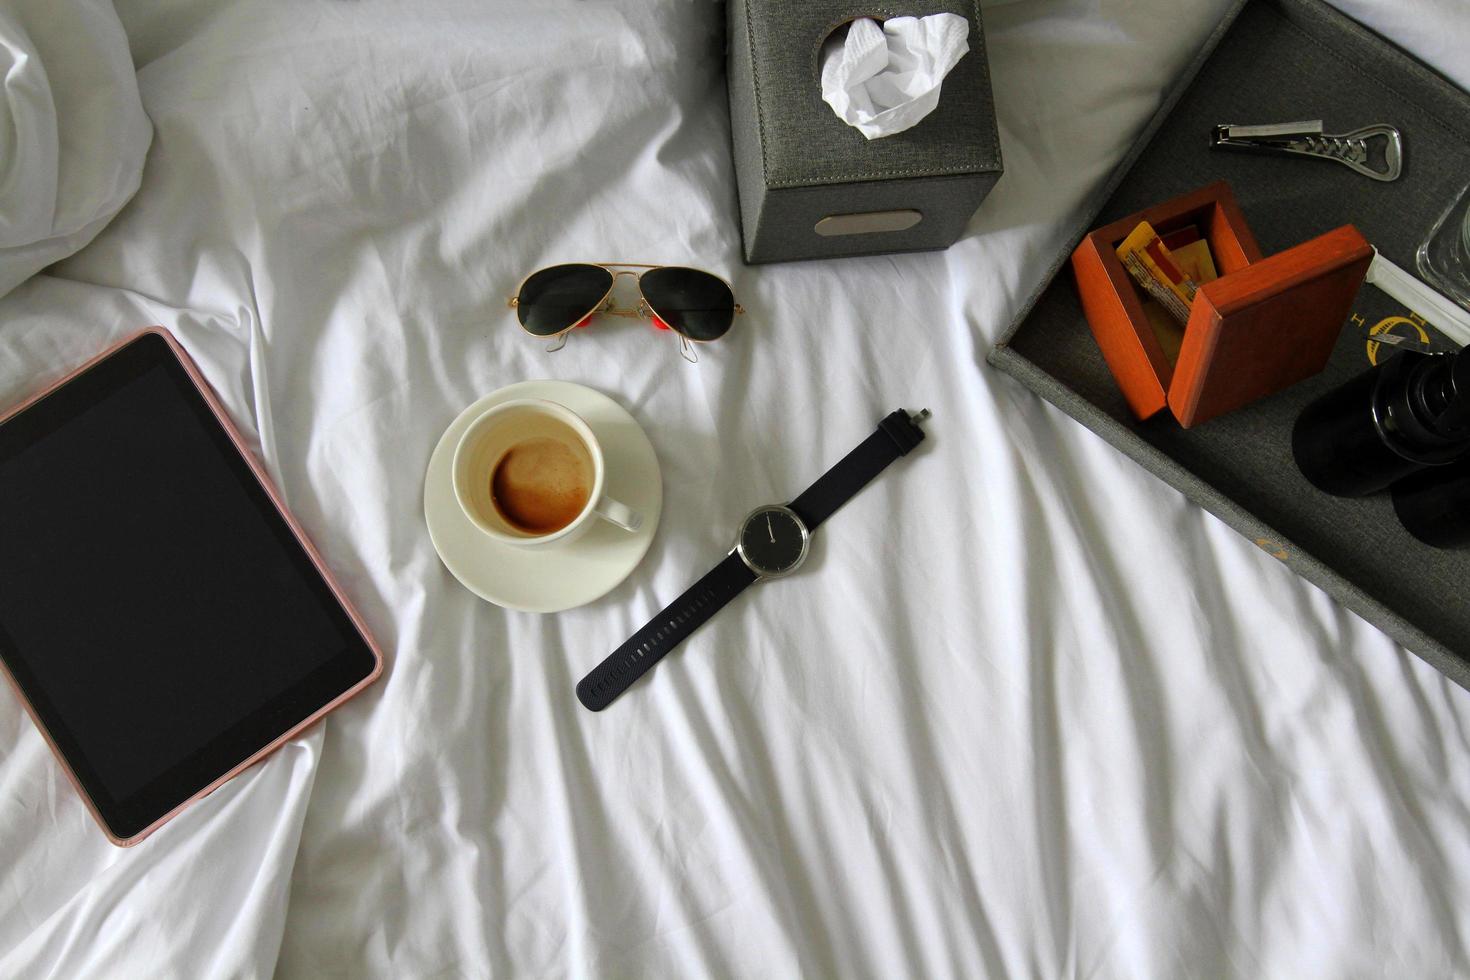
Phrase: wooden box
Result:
[1263,325]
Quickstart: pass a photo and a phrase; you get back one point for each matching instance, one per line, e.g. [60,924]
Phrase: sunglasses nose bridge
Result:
[642,309]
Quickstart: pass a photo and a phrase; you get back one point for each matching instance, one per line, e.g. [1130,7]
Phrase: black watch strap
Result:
[664,632]
[897,434]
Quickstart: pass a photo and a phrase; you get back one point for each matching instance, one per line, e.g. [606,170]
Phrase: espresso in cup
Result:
[543,484]
[530,472]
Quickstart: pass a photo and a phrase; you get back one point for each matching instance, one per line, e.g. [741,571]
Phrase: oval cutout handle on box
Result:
[867,222]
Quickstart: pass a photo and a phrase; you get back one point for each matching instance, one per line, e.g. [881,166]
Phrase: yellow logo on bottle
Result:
[1413,322]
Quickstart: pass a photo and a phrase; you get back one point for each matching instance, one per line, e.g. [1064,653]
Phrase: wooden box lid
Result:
[1264,324]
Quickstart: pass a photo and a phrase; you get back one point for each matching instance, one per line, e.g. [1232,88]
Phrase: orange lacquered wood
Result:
[1113,304]
[1267,326]
[1132,353]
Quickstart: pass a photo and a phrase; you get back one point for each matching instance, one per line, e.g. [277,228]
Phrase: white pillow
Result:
[73,134]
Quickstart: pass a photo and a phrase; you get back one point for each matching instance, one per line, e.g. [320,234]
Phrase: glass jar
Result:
[1444,258]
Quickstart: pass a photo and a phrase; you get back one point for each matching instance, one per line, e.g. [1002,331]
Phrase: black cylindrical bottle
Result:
[1434,505]
[1411,412]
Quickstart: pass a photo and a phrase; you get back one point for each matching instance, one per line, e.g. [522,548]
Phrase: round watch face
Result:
[772,541]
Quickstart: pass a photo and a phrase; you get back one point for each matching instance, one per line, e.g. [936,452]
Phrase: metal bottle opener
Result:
[1355,149]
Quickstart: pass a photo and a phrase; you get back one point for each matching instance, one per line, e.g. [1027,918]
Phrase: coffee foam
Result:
[543,483]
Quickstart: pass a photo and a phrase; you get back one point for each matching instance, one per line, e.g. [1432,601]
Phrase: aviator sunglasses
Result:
[699,306]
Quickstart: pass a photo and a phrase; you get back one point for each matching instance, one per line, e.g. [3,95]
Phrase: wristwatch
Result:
[772,543]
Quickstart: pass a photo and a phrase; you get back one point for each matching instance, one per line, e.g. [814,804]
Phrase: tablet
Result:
[162,617]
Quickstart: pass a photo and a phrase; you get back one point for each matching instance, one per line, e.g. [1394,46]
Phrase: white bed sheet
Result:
[1027,712]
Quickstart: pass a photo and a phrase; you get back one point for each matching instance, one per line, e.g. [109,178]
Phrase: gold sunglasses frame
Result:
[644,310]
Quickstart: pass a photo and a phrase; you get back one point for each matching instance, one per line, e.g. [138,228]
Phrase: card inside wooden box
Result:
[1264,324]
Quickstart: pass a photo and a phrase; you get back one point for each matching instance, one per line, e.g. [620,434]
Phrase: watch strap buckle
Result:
[903,429]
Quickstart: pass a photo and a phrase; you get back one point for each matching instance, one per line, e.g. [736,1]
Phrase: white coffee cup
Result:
[515,423]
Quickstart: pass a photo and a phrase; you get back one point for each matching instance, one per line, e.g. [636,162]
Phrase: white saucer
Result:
[558,576]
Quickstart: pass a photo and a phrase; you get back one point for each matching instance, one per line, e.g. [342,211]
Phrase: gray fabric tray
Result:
[1276,61]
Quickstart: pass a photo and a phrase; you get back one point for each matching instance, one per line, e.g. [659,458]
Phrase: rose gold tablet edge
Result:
[223,416]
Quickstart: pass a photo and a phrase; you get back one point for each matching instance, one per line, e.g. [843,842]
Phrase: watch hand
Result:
[768,529]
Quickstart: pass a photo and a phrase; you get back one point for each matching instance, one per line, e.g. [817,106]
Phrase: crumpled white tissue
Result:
[883,80]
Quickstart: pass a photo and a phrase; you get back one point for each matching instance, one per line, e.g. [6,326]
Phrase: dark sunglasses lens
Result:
[696,304]
[557,298]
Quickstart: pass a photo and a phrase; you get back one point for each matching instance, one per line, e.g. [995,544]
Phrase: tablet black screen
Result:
[155,607]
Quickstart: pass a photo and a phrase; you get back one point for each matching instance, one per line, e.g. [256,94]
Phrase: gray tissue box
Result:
[813,187]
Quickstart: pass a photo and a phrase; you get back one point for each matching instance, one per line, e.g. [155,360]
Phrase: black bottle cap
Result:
[1456,417]
[1417,408]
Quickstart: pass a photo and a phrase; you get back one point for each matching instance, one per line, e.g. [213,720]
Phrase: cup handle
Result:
[622,515]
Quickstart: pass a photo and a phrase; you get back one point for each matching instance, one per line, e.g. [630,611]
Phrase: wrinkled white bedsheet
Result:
[73,134]
[1027,712]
